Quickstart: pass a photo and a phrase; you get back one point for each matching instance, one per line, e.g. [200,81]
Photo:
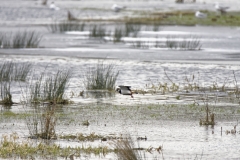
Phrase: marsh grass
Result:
[89,137]
[156,27]
[22,70]
[81,137]
[6,71]
[125,149]
[177,17]
[191,83]
[49,89]
[132,28]
[102,76]
[209,116]
[161,87]
[188,18]
[54,87]
[34,90]
[20,39]
[11,115]
[128,30]
[187,43]
[178,43]
[141,44]
[15,71]
[118,34]
[6,96]
[42,122]
[66,26]
[97,31]
[11,147]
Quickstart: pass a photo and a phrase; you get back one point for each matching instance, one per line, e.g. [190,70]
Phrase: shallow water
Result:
[175,128]
[178,133]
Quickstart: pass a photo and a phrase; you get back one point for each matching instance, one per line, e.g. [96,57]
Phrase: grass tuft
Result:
[125,149]
[66,26]
[118,34]
[42,122]
[190,43]
[6,96]
[103,76]
[97,31]
[20,39]
[49,89]
[11,71]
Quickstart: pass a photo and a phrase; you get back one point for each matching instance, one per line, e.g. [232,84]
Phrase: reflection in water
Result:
[98,94]
[209,129]
[6,107]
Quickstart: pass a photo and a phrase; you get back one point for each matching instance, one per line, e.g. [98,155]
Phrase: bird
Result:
[199,14]
[221,9]
[117,8]
[142,138]
[53,7]
[125,90]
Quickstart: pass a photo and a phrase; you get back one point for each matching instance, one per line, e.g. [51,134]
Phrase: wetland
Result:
[58,81]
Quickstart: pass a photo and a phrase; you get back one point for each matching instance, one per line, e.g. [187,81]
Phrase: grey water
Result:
[179,134]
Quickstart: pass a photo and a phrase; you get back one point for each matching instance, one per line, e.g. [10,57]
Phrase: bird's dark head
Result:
[118,89]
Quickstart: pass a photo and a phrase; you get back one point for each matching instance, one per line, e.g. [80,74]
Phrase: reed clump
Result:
[97,31]
[118,34]
[6,96]
[189,43]
[12,71]
[125,149]
[42,122]
[132,29]
[9,72]
[20,39]
[65,26]
[49,89]
[141,44]
[102,76]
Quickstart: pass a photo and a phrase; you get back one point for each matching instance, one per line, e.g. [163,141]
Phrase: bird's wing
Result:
[125,87]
